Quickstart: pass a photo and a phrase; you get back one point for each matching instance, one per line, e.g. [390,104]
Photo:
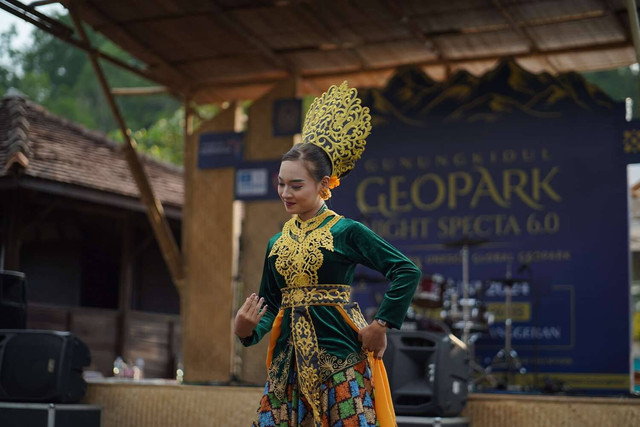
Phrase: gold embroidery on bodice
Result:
[298,249]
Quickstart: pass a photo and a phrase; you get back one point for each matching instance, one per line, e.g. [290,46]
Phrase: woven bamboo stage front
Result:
[168,405]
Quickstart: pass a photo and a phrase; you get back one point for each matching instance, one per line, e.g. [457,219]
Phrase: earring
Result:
[325,193]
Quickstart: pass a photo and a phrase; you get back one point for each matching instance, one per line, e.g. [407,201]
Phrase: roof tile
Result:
[62,151]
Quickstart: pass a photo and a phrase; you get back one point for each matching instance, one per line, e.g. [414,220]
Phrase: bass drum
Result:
[430,292]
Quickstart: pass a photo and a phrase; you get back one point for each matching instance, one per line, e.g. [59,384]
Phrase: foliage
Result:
[164,138]
[619,84]
[61,78]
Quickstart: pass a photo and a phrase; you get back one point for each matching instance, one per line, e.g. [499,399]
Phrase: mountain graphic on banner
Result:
[412,97]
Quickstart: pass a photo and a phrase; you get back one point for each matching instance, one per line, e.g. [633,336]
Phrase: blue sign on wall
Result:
[546,189]
[257,180]
[287,116]
[219,149]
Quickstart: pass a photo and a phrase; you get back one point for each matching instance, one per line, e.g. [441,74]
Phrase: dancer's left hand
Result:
[374,339]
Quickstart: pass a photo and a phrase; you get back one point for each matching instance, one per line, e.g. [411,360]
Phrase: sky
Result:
[24,28]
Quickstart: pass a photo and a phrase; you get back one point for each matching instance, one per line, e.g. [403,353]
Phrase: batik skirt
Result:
[347,400]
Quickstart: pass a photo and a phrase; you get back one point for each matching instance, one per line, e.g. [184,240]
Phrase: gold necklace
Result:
[300,228]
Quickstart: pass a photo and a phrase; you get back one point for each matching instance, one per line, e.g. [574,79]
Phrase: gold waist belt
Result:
[305,342]
[304,296]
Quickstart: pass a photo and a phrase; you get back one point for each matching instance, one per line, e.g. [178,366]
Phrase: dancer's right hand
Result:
[249,316]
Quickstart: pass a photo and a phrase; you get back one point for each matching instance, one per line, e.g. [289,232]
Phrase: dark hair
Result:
[316,160]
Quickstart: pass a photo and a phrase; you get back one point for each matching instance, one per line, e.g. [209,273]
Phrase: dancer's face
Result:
[298,190]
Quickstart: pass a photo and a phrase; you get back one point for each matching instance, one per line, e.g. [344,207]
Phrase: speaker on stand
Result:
[428,373]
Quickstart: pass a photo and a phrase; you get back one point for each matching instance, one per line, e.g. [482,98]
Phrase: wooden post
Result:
[12,229]
[126,287]
[207,241]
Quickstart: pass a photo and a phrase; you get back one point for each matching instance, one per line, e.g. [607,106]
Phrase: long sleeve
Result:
[367,248]
[272,295]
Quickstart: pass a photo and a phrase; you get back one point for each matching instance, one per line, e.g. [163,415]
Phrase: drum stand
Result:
[507,358]
[467,304]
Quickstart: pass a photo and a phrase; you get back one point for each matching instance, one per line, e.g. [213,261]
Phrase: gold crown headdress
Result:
[339,124]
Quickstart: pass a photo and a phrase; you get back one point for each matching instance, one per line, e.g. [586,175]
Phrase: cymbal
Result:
[509,281]
[465,241]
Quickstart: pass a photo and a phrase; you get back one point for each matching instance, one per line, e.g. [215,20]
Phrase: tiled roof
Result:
[39,144]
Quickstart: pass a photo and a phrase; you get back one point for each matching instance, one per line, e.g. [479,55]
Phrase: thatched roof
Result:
[237,49]
[49,153]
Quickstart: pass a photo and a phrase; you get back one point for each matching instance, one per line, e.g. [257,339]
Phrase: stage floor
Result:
[158,404]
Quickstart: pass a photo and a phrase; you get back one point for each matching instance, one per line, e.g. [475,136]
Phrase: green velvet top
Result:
[326,253]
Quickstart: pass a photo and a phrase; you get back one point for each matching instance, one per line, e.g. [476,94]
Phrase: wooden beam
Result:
[166,241]
[240,81]
[610,8]
[177,78]
[31,15]
[139,91]
[43,3]
[101,200]
[517,28]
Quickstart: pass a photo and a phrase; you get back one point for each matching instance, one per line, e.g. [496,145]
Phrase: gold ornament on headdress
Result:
[339,124]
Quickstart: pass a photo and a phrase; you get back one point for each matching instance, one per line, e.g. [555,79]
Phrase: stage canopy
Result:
[219,50]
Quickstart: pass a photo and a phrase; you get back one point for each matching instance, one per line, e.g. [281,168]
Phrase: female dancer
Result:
[324,366]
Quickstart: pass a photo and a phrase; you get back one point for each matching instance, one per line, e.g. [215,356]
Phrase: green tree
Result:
[7,54]
[61,78]
[619,84]
[164,138]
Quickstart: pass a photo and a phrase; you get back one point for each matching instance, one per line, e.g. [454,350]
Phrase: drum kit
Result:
[463,312]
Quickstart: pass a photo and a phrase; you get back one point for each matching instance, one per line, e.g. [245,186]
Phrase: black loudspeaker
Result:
[428,373]
[13,300]
[42,366]
[49,415]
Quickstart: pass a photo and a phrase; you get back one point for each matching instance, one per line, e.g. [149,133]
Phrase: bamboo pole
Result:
[155,212]
[139,91]
[634,28]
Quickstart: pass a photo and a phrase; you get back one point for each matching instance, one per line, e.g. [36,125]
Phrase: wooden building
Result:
[73,222]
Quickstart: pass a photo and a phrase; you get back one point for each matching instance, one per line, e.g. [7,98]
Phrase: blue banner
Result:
[257,180]
[219,149]
[287,116]
[544,198]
